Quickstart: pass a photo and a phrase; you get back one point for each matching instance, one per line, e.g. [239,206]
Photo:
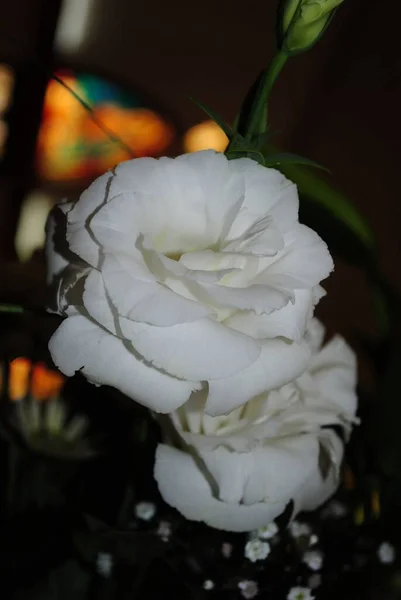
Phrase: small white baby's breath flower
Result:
[315,581]
[256,550]
[267,532]
[300,593]
[386,553]
[208,584]
[313,559]
[145,511]
[298,529]
[164,530]
[334,510]
[313,540]
[226,549]
[104,564]
[249,588]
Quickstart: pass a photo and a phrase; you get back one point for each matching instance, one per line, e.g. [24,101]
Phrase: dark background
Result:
[338,104]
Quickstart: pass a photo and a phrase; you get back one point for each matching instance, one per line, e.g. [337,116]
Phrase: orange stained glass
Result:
[6,86]
[71,146]
[35,379]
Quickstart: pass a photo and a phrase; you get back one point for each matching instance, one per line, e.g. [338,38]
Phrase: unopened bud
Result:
[302,22]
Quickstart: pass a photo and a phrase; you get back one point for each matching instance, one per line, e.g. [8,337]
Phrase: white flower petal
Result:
[259,298]
[334,371]
[230,471]
[68,289]
[271,473]
[117,223]
[316,488]
[285,211]
[58,254]
[65,270]
[79,236]
[222,188]
[280,361]
[289,322]
[266,190]
[201,350]
[303,263]
[191,220]
[316,332]
[280,467]
[79,344]
[261,238]
[137,295]
[183,486]
[211,261]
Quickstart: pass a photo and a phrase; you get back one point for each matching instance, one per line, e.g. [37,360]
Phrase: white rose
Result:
[185,274]
[238,472]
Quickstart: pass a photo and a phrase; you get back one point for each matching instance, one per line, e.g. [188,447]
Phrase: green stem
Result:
[257,122]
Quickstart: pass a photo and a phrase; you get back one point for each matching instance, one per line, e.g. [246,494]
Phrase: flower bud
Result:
[302,22]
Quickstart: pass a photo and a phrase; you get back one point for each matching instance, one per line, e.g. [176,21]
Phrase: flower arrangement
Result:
[200,434]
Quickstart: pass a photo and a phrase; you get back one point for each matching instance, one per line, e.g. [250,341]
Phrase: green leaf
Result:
[340,238]
[246,153]
[345,244]
[259,140]
[286,158]
[238,142]
[215,117]
[239,147]
[319,192]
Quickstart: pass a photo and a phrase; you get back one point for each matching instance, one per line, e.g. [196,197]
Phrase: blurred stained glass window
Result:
[71,146]
[6,92]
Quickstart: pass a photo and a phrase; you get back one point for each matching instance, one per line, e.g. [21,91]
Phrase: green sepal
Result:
[281,35]
[215,117]
[259,140]
[239,147]
[287,158]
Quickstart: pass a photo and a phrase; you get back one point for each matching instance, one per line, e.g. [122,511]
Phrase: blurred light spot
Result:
[73,25]
[31,227]
[349,479]
[376,509]
[33,379]
[205,136]
[6,86]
